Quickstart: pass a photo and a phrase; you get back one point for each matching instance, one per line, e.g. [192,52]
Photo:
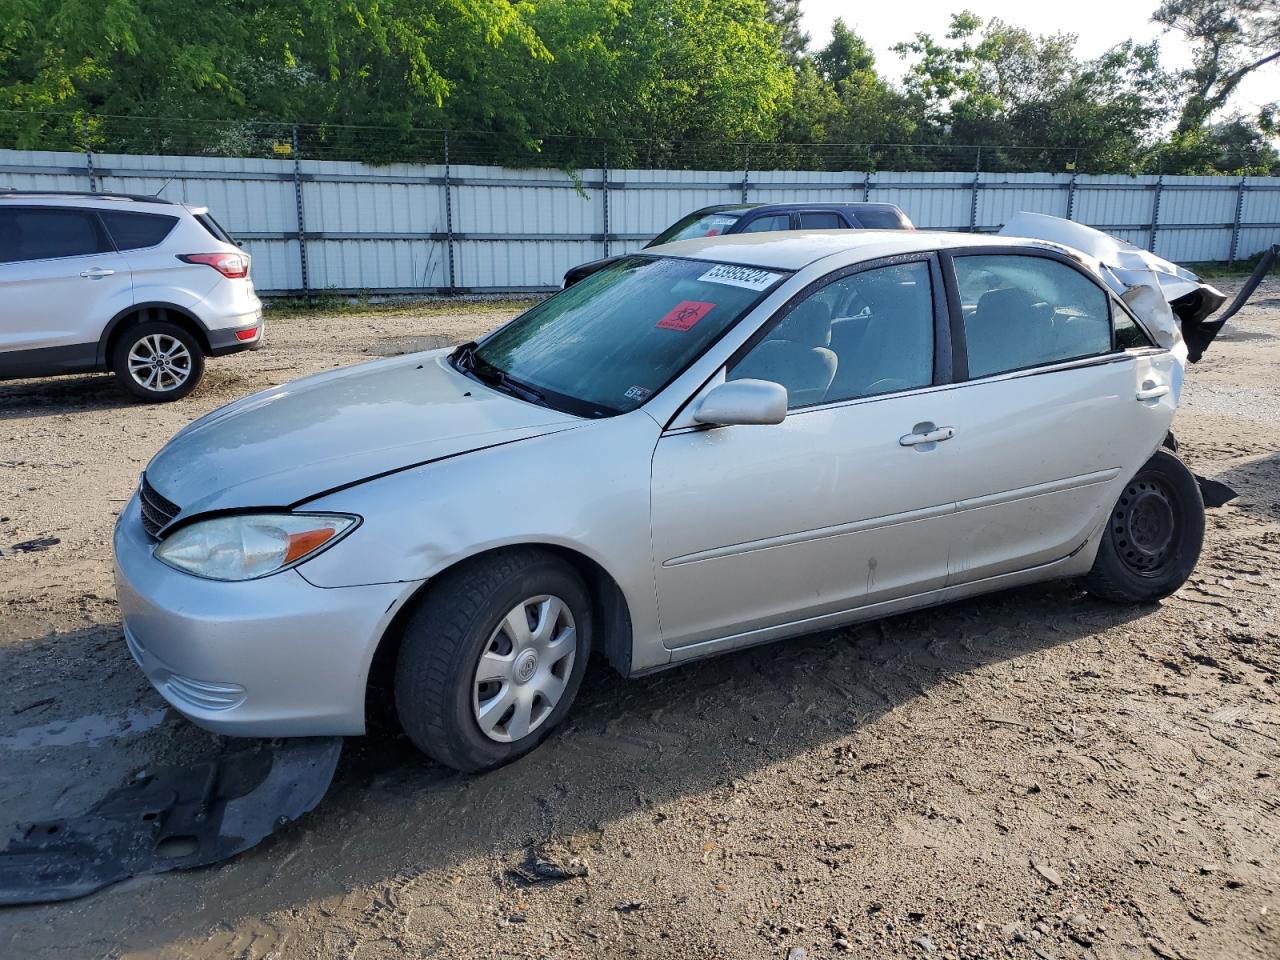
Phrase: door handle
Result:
[926,433]
[1151,390]
[96,273]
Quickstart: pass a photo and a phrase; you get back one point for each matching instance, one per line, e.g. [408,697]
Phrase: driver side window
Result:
[866,334]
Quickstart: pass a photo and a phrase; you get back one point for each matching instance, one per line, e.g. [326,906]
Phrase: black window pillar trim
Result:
[955,315]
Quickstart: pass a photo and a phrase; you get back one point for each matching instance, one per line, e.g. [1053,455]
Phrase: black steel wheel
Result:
[1154,534]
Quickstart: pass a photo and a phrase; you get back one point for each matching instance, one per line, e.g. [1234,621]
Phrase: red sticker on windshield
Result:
[685,314]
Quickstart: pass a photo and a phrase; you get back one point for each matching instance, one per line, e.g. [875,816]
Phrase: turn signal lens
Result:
[300,544]
[251,545]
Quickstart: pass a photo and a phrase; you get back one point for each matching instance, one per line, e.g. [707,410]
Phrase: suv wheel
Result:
[158,361]
[492,658]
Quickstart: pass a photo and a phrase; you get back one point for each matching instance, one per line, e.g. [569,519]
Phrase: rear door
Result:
[61,281]
[1065,399]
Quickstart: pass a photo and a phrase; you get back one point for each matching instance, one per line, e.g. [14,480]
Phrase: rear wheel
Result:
[158,361]
[1153,537]
[493,658]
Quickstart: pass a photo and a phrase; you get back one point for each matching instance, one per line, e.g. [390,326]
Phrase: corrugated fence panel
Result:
[516,265]
[927,203]
[1115,201]
[770,186]
[385,228]
[643,209]
[1001,195]
[58,171]
[376,264]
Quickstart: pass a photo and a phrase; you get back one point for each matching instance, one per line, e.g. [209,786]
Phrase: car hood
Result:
[292,443]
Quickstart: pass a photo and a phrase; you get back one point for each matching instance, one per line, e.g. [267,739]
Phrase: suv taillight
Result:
[234,266]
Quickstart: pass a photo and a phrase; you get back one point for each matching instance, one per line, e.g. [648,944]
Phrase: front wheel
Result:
[493,657]
[1153,537]
[158,361]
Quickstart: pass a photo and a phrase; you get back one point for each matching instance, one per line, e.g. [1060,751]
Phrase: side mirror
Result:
[743,402]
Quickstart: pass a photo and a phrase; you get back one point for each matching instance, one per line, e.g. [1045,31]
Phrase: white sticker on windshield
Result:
[752,278]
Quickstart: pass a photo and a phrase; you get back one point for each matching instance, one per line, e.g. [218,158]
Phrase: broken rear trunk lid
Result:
[1157,290]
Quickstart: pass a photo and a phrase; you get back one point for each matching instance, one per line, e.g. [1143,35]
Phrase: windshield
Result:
[697,225]
[609,342]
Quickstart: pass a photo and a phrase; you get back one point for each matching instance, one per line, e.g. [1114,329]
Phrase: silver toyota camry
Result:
[713,444]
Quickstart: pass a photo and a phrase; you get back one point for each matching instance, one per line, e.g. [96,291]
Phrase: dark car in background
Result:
[761,217]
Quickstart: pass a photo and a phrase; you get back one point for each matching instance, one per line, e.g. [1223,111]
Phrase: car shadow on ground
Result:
[1254,475]
[59,396]
[626,747]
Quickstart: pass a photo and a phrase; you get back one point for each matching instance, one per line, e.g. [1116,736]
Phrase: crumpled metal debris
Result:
[169,819]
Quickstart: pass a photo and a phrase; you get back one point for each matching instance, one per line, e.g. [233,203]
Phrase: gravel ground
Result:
[1032,774]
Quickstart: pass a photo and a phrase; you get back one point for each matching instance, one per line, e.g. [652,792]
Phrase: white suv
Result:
[139,286]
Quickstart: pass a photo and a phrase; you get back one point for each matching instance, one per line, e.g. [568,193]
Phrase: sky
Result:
[1099,24]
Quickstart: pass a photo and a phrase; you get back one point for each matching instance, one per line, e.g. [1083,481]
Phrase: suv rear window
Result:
[133,231]
[46,233]
[213,227]
[881,218]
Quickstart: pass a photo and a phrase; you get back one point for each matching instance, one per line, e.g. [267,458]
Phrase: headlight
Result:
[251,545]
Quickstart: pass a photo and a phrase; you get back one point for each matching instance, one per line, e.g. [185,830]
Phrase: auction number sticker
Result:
[752,278]
[685,314]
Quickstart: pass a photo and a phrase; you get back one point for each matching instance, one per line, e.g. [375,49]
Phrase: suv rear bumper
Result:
[243,333]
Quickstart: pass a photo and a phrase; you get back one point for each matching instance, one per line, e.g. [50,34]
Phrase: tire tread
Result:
[436,638]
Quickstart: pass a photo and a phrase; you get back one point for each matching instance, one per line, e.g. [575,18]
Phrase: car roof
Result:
[796,249]
[63,196]
[796,205]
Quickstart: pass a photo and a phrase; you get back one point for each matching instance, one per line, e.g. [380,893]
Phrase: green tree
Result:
[1004,89]
[1231,39]
[844,55]
[785,16]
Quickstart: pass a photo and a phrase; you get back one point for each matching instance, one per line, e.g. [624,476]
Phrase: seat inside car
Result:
[796,354]
[874,347]
[1008,326]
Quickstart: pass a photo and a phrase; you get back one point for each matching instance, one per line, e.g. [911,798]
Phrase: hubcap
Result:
[524,669]
[159,362]
[1145,525]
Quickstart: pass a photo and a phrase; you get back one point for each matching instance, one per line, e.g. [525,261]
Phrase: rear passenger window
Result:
[1027,311]
[46,233]
[819,220]
[213,227]
[778,221]
[1129,336]
[879,218]
[133,231]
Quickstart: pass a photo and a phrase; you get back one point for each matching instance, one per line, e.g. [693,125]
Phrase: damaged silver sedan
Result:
[707,446]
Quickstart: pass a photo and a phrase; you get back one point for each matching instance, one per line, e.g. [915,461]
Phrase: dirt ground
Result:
[1033,774]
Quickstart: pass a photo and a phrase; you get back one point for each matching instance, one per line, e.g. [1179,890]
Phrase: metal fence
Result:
[342,226]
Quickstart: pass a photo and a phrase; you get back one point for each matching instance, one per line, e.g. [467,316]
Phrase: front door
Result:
[843,504]
[60,282]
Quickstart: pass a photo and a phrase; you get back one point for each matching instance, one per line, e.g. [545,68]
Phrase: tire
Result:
[162,354]
[442,703]
[1153,537]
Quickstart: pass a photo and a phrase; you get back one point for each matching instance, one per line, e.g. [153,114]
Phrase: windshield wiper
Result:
[465,359]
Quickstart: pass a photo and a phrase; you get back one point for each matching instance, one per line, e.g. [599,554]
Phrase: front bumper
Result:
[263,658]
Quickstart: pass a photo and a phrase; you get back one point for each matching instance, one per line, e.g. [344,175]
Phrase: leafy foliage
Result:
[663,82]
